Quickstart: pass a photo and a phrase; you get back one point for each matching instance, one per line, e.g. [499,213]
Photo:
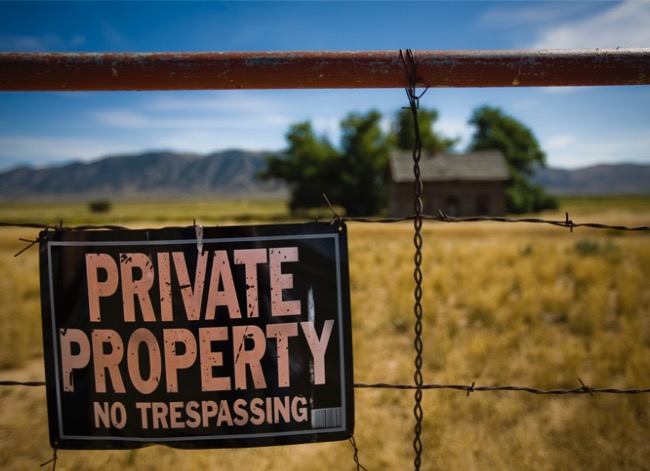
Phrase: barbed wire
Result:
[23,383]
[61,227]
[583,389]
[442,217]
[566,223]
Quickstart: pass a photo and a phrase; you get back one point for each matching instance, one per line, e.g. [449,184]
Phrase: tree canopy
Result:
[404,131]
[364,158]
[354,174]
[308,168]
[496,130]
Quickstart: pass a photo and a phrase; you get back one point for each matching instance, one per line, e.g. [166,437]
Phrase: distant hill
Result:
[232,173]
[170,175]
[616,179]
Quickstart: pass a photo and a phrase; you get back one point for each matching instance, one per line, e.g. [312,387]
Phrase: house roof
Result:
[474,166]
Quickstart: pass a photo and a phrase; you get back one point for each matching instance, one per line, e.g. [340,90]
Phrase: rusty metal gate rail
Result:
[321,69]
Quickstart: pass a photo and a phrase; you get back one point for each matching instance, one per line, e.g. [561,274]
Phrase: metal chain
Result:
[411,76]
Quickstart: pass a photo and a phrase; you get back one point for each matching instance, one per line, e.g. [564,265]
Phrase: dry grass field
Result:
[504,304]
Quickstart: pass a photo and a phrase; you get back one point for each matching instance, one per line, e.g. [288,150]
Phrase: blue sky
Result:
[575,126]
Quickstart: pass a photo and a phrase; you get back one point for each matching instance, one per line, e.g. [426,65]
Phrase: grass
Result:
[521,304]
[597,205]
[149,212]
[20,300]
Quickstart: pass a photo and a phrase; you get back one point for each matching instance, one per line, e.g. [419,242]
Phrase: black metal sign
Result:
[197,337]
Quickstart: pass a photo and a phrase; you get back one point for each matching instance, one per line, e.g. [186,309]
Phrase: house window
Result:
[482,205]
[452,206]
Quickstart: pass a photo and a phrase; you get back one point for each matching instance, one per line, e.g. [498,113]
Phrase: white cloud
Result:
[257,119]
[533,13]
[44,43]
[129,119]
[524,104]
[206,141]
[573,151]
[121,118]
[562,90]
[225,109]
[330,126]
[48,150]
[453,128]
[114,37]
[627,146]
[44,149]
[625,24]
[226,101]
[558,142]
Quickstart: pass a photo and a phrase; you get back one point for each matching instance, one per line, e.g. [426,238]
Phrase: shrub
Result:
[100,206]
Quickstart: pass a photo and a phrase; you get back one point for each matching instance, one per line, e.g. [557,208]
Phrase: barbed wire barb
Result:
[336,217]
[31,243]
[569,222]
[585,387]
[52,460]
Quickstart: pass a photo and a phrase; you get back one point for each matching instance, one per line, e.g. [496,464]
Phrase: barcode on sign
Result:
[326,418]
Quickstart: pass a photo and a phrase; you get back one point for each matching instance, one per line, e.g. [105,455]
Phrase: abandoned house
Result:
[459,185]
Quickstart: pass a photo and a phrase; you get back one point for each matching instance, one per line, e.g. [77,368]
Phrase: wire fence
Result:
[566,223]
[418,217]
[418,386]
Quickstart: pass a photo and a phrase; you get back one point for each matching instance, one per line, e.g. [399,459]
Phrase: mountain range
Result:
[161,175]
[233,173]
[606,179]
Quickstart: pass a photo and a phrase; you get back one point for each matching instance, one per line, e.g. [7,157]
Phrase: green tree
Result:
[308,166]
[353,177]
[362,175]
[404,131]
[496,130]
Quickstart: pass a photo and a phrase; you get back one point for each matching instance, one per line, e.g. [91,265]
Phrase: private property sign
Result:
[197,337]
